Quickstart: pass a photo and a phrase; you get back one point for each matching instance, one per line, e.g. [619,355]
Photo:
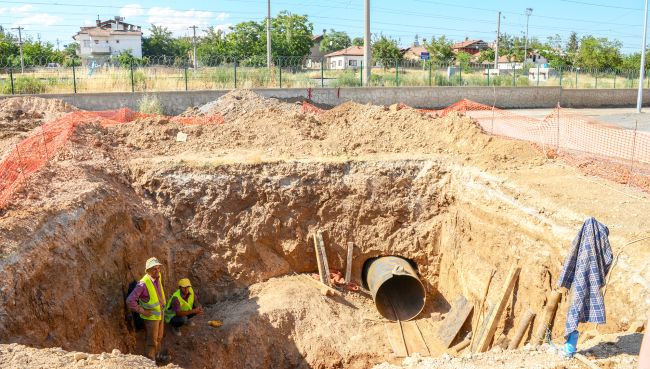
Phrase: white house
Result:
[108,38]
[350,58]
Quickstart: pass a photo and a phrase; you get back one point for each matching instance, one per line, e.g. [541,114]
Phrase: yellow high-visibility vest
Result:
[154,302]
[185,305]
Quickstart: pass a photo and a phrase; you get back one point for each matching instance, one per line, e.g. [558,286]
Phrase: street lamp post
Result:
[639,97]
[529,11]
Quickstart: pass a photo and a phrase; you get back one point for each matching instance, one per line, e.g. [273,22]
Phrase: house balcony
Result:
[100,49]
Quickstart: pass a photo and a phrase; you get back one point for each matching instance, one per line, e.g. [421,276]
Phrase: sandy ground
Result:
[233,207]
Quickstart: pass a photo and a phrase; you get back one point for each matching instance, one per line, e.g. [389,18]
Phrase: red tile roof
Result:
[461,45]
[351,51]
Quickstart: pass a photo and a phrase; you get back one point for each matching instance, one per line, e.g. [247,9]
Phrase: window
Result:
[96,41]
[340,63]
[106,41]
[86,43]
[352,63]
[117,41]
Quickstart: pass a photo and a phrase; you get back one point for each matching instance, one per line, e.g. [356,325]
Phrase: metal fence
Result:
[224,72]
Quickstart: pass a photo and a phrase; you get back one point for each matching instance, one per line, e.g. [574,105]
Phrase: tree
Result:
[334,40]
[462,60]
[159,43]
[571,49]
[214,47]
[245,39]
[633,61]
[386,51]
[291,35]
[440,50]
[599,53]
[486,55]
[358,41]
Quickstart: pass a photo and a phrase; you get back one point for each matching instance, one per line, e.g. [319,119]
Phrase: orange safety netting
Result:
[42,143]
[309,108]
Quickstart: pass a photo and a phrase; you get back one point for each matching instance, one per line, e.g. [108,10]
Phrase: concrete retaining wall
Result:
[422,97]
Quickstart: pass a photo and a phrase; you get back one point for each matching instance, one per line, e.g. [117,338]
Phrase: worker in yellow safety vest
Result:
[148,299]
[182,306]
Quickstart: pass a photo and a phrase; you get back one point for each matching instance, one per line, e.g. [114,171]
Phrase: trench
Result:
[241,231]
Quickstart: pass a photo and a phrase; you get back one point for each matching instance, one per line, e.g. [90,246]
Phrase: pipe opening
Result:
[395,287]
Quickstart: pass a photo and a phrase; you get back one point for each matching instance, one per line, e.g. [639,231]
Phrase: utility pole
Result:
[367,55]
[268,34]
[193,45]
[639,97]
[529,11]
[20,43]
[57,45]
[496,48]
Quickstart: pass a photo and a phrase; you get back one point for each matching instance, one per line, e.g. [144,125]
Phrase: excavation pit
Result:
[234,209]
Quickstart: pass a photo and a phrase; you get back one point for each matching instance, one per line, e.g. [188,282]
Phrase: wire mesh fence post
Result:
[322,72]
[488,75]
[460,72]
[614,78]
[361,73]
[560,76]
[537,75]
[557,150]
[280,70]
[11,77]
[396,72]
[596,80]
[430,74]
[514,76]
[576,78]
[132,80]
[648,79]
[74,77]
[185,70]
[235,71]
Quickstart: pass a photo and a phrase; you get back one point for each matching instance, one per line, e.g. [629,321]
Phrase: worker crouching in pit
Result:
[148,300]
[182,306]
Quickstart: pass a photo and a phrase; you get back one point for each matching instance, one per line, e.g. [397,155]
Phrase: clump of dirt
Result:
[19,356]
[19,115]
[238,102]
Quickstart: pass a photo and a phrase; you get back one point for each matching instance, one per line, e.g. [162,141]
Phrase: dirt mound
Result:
[238,102]
[19,115]
[19,356]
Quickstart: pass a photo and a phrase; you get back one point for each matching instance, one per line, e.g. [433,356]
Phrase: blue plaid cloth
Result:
[585,268]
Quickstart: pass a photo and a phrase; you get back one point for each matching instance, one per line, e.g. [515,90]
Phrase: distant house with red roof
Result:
[109,38]
[350,58]
[471,47]
[414,52]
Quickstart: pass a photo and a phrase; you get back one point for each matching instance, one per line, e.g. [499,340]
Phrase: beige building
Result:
[350,58]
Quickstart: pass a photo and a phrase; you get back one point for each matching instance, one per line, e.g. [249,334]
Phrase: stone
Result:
[116,352]
[637,326]
[80,356]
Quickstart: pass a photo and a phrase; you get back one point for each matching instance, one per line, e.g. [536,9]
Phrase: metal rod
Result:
[268,34]
[74,77]
[367,53]
[11,77]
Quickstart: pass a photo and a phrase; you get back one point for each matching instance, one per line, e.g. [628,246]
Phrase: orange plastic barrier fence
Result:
[42,143]
[309,108]
[619,154]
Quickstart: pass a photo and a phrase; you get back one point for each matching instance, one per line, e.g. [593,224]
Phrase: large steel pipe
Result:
[395,287]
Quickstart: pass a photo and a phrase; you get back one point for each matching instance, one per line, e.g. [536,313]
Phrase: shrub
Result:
[24,85]
[347,79]
[150,104]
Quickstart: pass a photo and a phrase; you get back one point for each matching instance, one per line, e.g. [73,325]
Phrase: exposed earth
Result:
[234,207]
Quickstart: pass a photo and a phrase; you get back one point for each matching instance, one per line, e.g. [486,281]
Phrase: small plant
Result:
[24,85]
[150,104]
[347,79]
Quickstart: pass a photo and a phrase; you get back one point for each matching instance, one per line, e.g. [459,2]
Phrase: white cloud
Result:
[22,9]
[131,10]
[38,20]
[179,21]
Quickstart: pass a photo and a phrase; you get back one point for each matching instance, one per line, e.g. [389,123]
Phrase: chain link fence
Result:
[165,73]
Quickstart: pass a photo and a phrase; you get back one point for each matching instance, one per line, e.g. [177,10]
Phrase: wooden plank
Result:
[460,346]
[321,259]
[348,265]
[493,319]
[325,290]
[478,314]
[413,339]
[454,320]
[395,338]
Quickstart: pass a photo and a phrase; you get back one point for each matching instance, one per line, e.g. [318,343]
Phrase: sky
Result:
[402,20]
